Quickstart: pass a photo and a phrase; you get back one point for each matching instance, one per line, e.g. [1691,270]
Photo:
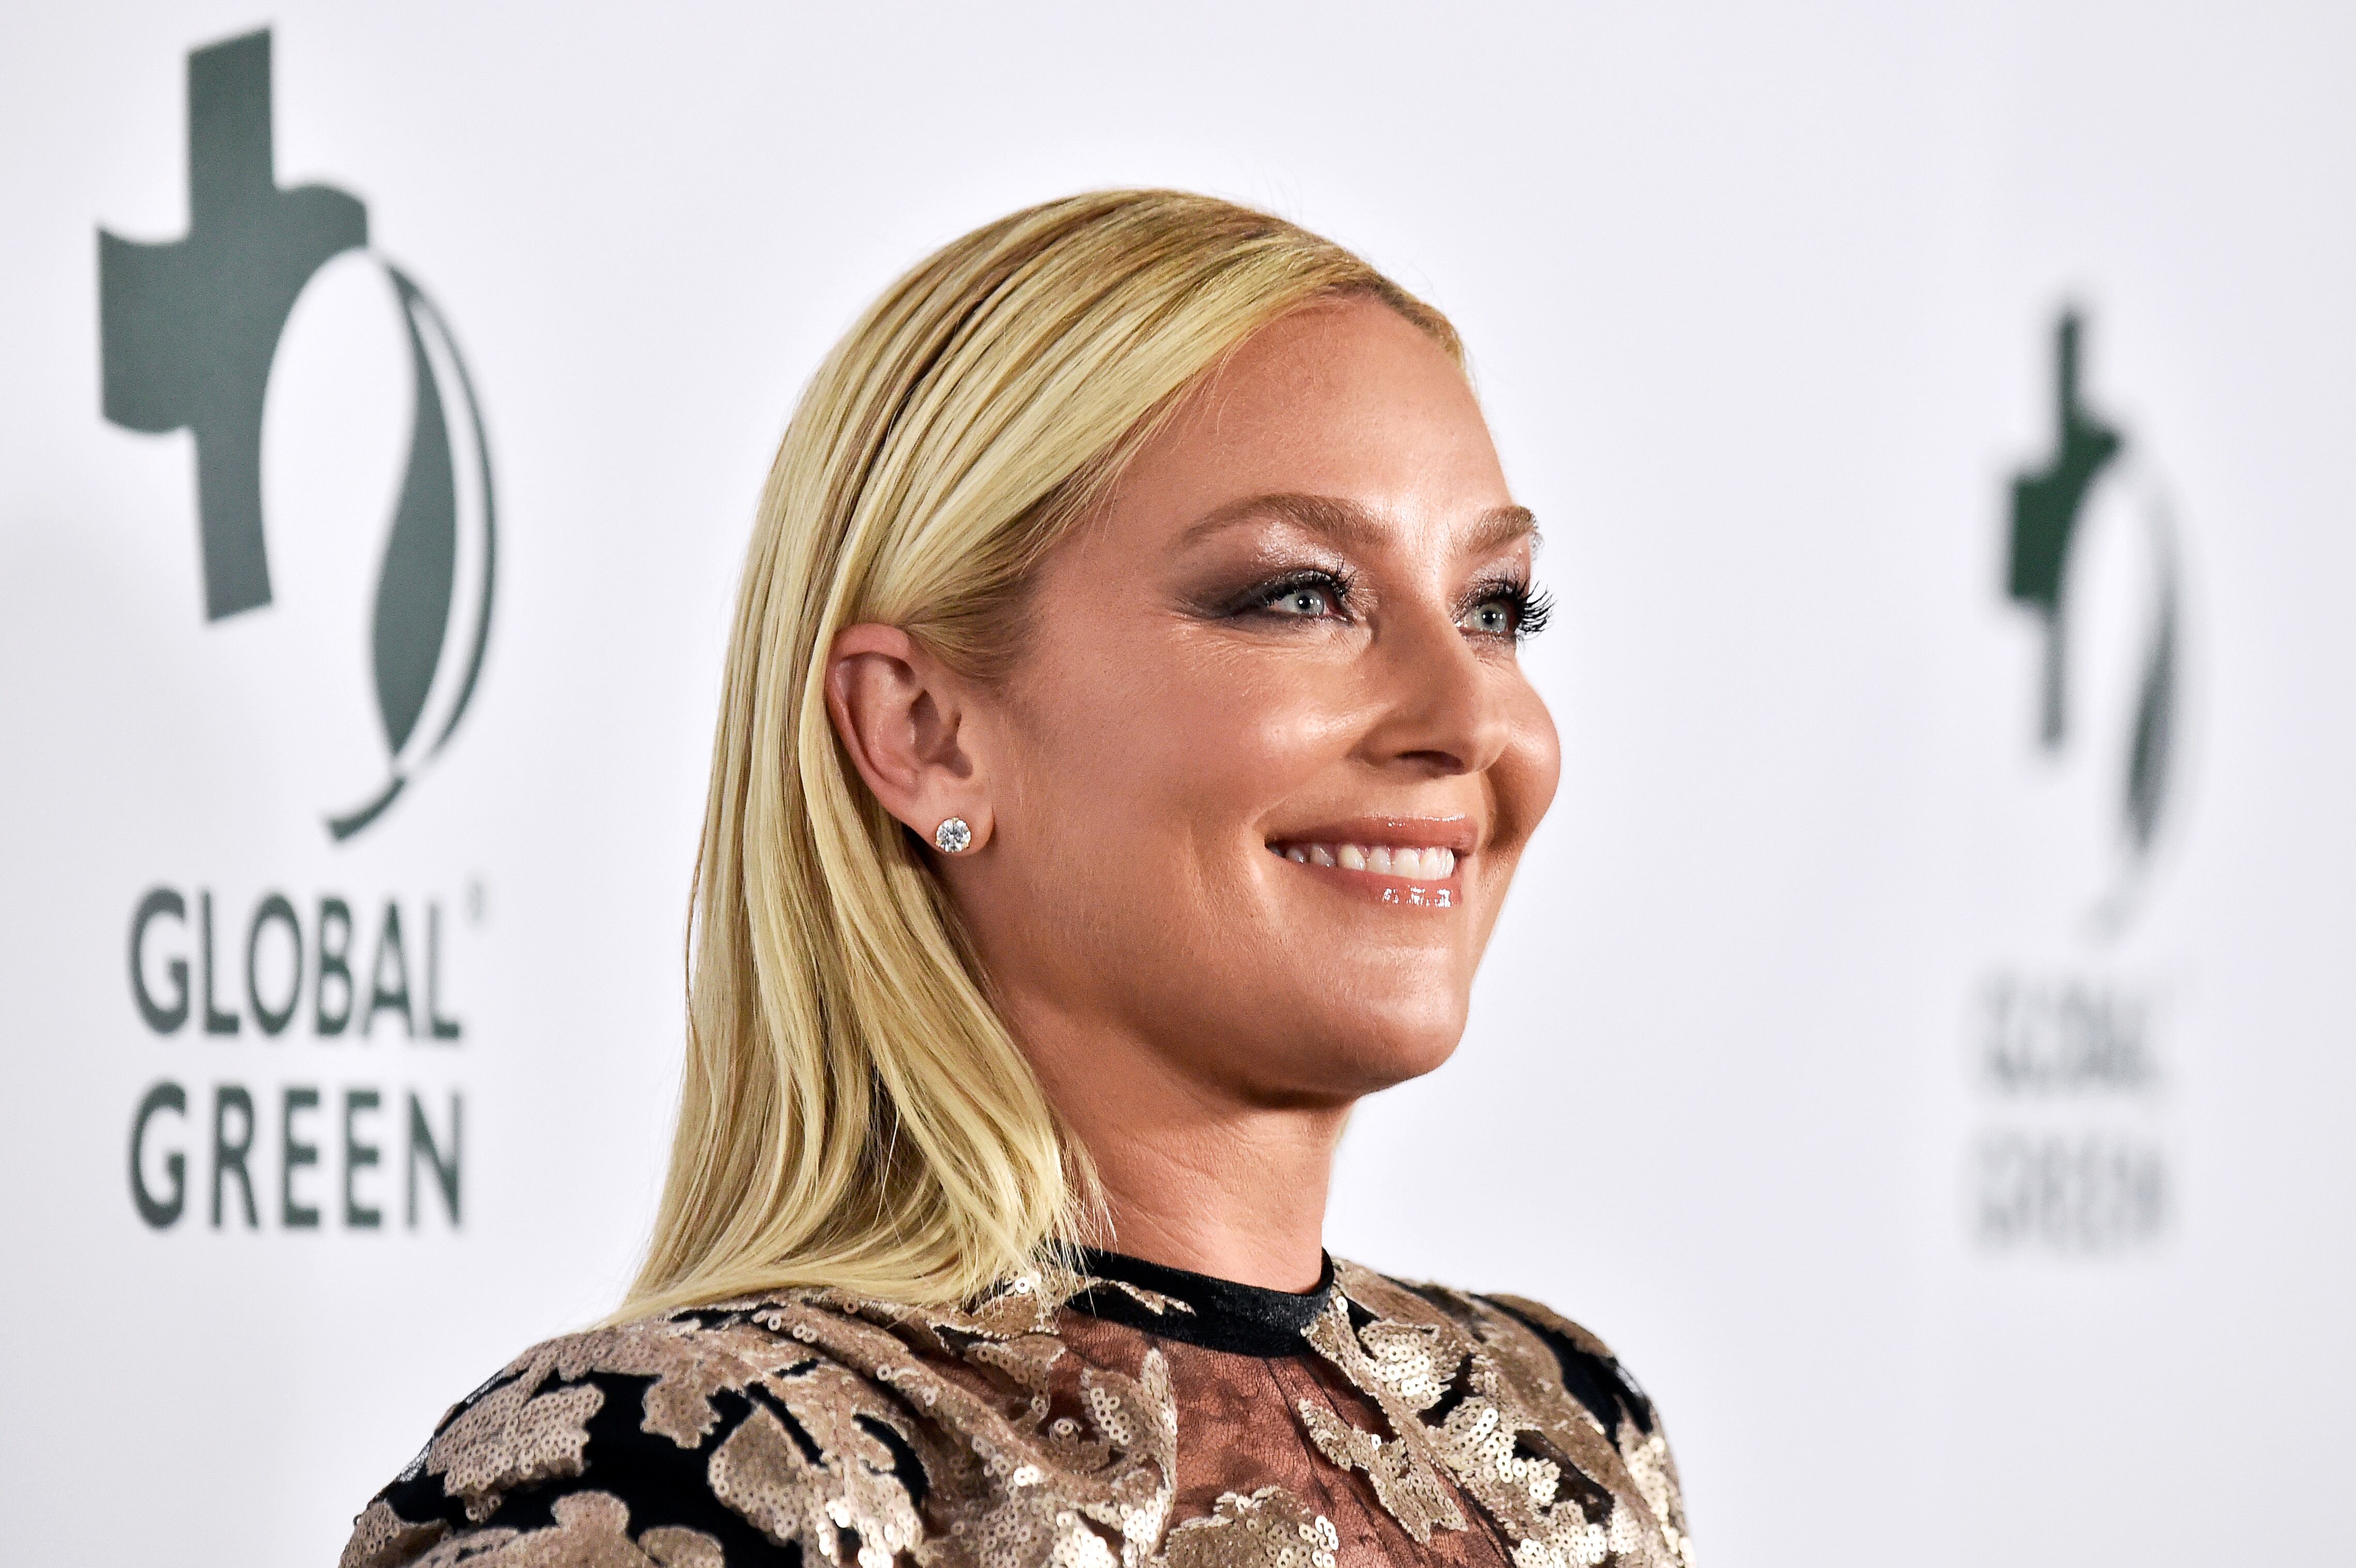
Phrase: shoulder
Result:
[704,1437]
[809,1426]
[1536,1343]
[1591,1373]
[1557,1381]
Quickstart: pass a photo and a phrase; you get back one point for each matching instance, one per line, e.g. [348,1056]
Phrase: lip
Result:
[1416,893]
[1457,833]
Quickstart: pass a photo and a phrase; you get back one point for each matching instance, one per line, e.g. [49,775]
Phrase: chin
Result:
[1374,1050]
[1406,1053]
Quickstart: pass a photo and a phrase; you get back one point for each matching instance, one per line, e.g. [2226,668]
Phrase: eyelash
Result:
[1264,597]
[1529,607]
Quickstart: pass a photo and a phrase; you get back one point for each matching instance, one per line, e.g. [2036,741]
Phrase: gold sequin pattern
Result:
[1269,1528]
[1489,1444]
[867,1433]
[591,1531]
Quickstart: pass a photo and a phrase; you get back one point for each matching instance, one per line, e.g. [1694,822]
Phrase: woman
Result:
[1123,760]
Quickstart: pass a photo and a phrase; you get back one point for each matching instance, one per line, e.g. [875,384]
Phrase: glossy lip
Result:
[1456,833]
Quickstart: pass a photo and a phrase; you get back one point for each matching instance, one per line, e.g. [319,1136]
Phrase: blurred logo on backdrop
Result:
[2067,1031]
[343,483]
[192,332]
[2093,468]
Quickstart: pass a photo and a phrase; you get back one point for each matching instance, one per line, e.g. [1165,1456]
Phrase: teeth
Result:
[1383,860]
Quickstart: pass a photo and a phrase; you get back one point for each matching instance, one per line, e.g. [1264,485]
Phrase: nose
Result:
[1440,710]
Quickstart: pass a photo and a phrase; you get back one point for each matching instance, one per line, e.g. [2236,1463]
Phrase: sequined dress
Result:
[1123,1413]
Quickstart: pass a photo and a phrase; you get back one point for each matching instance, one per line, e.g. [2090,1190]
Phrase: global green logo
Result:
[189,331]
[2092,472]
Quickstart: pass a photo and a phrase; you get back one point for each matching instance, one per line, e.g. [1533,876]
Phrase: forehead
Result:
[1349,401]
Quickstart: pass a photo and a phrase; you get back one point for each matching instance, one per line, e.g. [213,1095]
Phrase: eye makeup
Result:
[1324,593]
[1528,608]
[1296,595]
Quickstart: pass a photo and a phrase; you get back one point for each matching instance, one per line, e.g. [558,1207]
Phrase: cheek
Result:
[1250,744]
[1189,747]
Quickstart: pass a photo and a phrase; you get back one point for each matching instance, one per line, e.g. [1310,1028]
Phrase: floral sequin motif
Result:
[1455,1412]
[1269,1528]
[1021,1488]
[590,1528]
[1645,1453]
[521,1430]
[849,1486]
[817,1428]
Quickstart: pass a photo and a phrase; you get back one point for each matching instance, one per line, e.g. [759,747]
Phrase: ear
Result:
[902,715]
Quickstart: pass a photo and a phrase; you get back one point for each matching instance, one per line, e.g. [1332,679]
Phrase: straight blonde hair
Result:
[854,1114]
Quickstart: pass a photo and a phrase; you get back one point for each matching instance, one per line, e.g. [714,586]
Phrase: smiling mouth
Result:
[1412,863]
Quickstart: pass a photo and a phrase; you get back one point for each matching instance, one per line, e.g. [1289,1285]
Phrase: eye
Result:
[1300,595]
[1507,610]
[1491,618]
[1304,600]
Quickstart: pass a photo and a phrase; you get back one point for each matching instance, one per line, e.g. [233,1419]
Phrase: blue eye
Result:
[1298,595]
[1305,601]
[1511,610]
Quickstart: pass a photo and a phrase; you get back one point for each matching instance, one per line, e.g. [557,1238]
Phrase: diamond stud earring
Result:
[952,837]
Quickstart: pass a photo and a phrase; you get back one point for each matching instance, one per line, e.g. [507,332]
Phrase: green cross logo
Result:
[2049,506]
[187,331]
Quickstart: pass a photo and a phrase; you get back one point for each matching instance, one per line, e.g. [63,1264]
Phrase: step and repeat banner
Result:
[1920,1039]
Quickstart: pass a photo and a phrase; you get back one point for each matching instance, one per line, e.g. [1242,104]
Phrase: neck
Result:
[1195,1177]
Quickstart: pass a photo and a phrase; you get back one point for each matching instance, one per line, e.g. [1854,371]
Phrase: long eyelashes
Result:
[1295,595]
[1532,607]
[1526,608]
[1317,593]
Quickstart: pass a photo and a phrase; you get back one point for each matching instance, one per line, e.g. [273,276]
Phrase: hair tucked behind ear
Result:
[854,1114]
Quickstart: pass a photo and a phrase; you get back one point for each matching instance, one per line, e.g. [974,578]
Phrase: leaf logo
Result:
[188,329]
[2050,507]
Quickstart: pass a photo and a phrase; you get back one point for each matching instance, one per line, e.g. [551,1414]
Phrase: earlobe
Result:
[901,716]
[964,833]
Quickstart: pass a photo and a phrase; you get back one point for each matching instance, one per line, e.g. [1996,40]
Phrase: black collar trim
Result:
[1243,1320]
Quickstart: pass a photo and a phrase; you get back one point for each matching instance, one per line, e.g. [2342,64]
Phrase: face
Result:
[1264,767]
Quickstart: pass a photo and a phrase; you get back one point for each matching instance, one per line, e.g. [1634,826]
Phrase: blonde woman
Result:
[1123,758]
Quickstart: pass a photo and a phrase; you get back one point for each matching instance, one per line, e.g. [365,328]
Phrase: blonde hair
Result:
[854,1114]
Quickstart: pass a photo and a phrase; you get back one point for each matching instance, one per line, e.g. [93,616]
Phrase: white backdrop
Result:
[1763,303]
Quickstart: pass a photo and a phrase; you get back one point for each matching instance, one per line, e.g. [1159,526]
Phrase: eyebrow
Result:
[1347,523]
